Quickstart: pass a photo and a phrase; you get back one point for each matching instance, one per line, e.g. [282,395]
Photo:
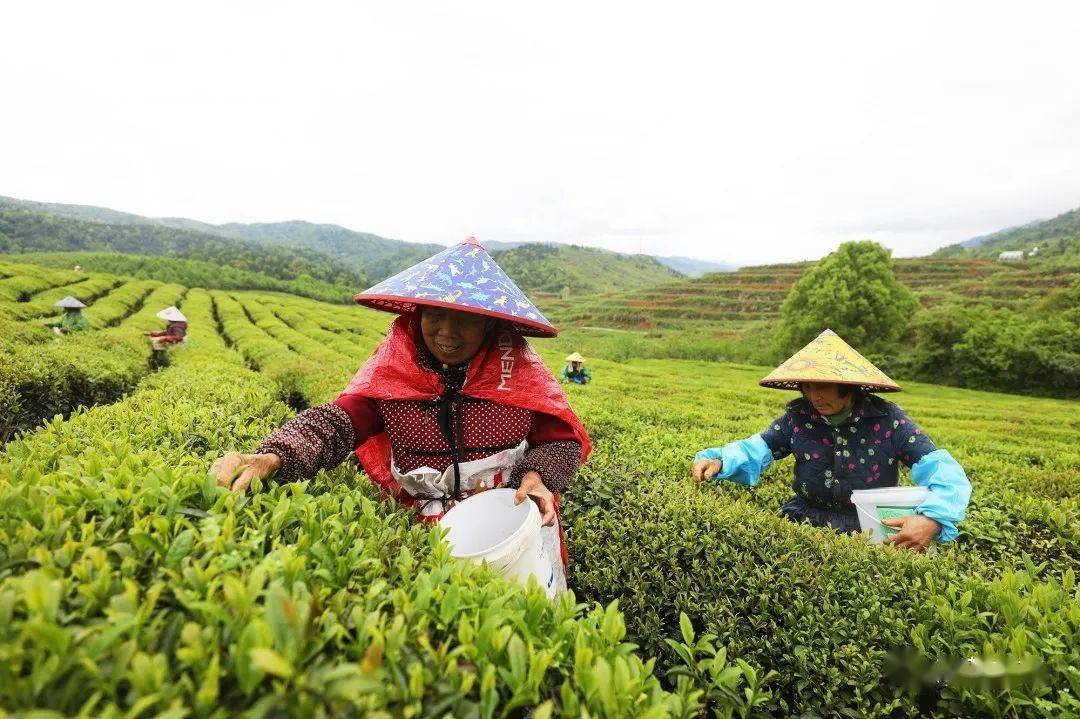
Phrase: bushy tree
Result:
[852,291]
[1000,350]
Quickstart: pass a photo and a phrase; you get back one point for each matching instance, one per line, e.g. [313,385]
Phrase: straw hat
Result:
[171,314]
[70,303]
[576,357]
[829,359]
[463,278]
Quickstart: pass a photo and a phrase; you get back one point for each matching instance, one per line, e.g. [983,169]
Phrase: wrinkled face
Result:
[453,336]
[826,397]
[576,366]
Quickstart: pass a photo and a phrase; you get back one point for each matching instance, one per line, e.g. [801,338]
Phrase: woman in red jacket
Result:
[454,401]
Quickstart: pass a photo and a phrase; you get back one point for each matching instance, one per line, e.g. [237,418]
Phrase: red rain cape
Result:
[506,370]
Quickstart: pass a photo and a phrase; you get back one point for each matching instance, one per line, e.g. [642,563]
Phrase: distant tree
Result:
[853,292]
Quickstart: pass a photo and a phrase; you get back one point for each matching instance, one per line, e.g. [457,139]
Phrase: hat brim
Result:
[794,384]
[407,305]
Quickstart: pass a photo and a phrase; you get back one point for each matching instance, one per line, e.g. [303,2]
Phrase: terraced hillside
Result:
[756,293]
[132,585]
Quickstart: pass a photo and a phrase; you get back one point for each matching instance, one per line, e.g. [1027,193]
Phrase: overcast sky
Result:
[753,133]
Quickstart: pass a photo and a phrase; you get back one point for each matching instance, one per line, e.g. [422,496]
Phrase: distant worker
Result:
[845,438]
[78,268]
[175,332]
[72,320]
[575,370]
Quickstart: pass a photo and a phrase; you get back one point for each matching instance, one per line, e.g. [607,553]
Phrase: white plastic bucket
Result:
[489,527]
[867,501]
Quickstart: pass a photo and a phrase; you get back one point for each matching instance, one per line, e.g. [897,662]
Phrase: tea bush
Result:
[825,611]
[131,584]
[86,290]
[21,285]
[48,375]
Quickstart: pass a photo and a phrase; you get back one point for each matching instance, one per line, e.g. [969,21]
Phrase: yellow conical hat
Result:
[576,357]
[829,359]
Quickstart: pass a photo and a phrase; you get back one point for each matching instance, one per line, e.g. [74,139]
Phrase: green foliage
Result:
[86,290]
[20,286]
[135,585]
[821,610]
[755,294]
[43,375]
[131,585]
[190,272]
[996,349]
[27,231]
[1057,239]
[853,292]
[579,270]
[377,257]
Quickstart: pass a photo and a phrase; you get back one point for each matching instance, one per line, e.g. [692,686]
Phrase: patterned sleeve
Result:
[555,462]
[910,443]
[317,438]
[778,435]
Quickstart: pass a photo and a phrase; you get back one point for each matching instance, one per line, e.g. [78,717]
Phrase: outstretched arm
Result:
[744,460]
[317,438]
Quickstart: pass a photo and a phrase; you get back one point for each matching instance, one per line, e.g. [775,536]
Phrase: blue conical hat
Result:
[465,278]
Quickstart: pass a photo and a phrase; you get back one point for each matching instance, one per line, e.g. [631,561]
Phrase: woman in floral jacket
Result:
[845,438]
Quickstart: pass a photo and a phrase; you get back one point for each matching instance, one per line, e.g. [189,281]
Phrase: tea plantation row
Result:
[825,611]
[129,583]
[42,375]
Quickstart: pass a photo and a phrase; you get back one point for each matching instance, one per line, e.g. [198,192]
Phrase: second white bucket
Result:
[489,527]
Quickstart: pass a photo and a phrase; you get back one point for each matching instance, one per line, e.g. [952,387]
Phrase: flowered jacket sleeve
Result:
[935,469]
[744,460]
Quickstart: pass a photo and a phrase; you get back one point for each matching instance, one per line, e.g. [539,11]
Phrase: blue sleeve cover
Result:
[950,491]
[743,461]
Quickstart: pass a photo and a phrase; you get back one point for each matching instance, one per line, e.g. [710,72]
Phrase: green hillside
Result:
[24,230]
[375,256]
[1057,239]
[192,273]
[579,270]
[755,293]
[325,252]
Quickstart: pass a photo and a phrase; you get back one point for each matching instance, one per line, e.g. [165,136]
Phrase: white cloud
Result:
[762,132]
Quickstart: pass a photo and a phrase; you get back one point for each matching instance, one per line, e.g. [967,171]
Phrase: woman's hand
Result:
[705,469]
[236,470]
[916,532]
[533,486]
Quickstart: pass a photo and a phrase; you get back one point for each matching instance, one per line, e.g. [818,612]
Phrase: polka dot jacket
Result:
[322,437]
[864,452]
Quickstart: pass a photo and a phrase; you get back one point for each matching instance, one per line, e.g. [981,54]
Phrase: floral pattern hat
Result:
[829,359]
[464,278]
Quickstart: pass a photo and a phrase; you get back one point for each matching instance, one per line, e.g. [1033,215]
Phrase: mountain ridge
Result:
[376,256]
[298,247]
[1056,238]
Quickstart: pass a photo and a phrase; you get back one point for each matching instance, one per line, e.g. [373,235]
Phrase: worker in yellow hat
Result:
[844,437]
[575,370]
